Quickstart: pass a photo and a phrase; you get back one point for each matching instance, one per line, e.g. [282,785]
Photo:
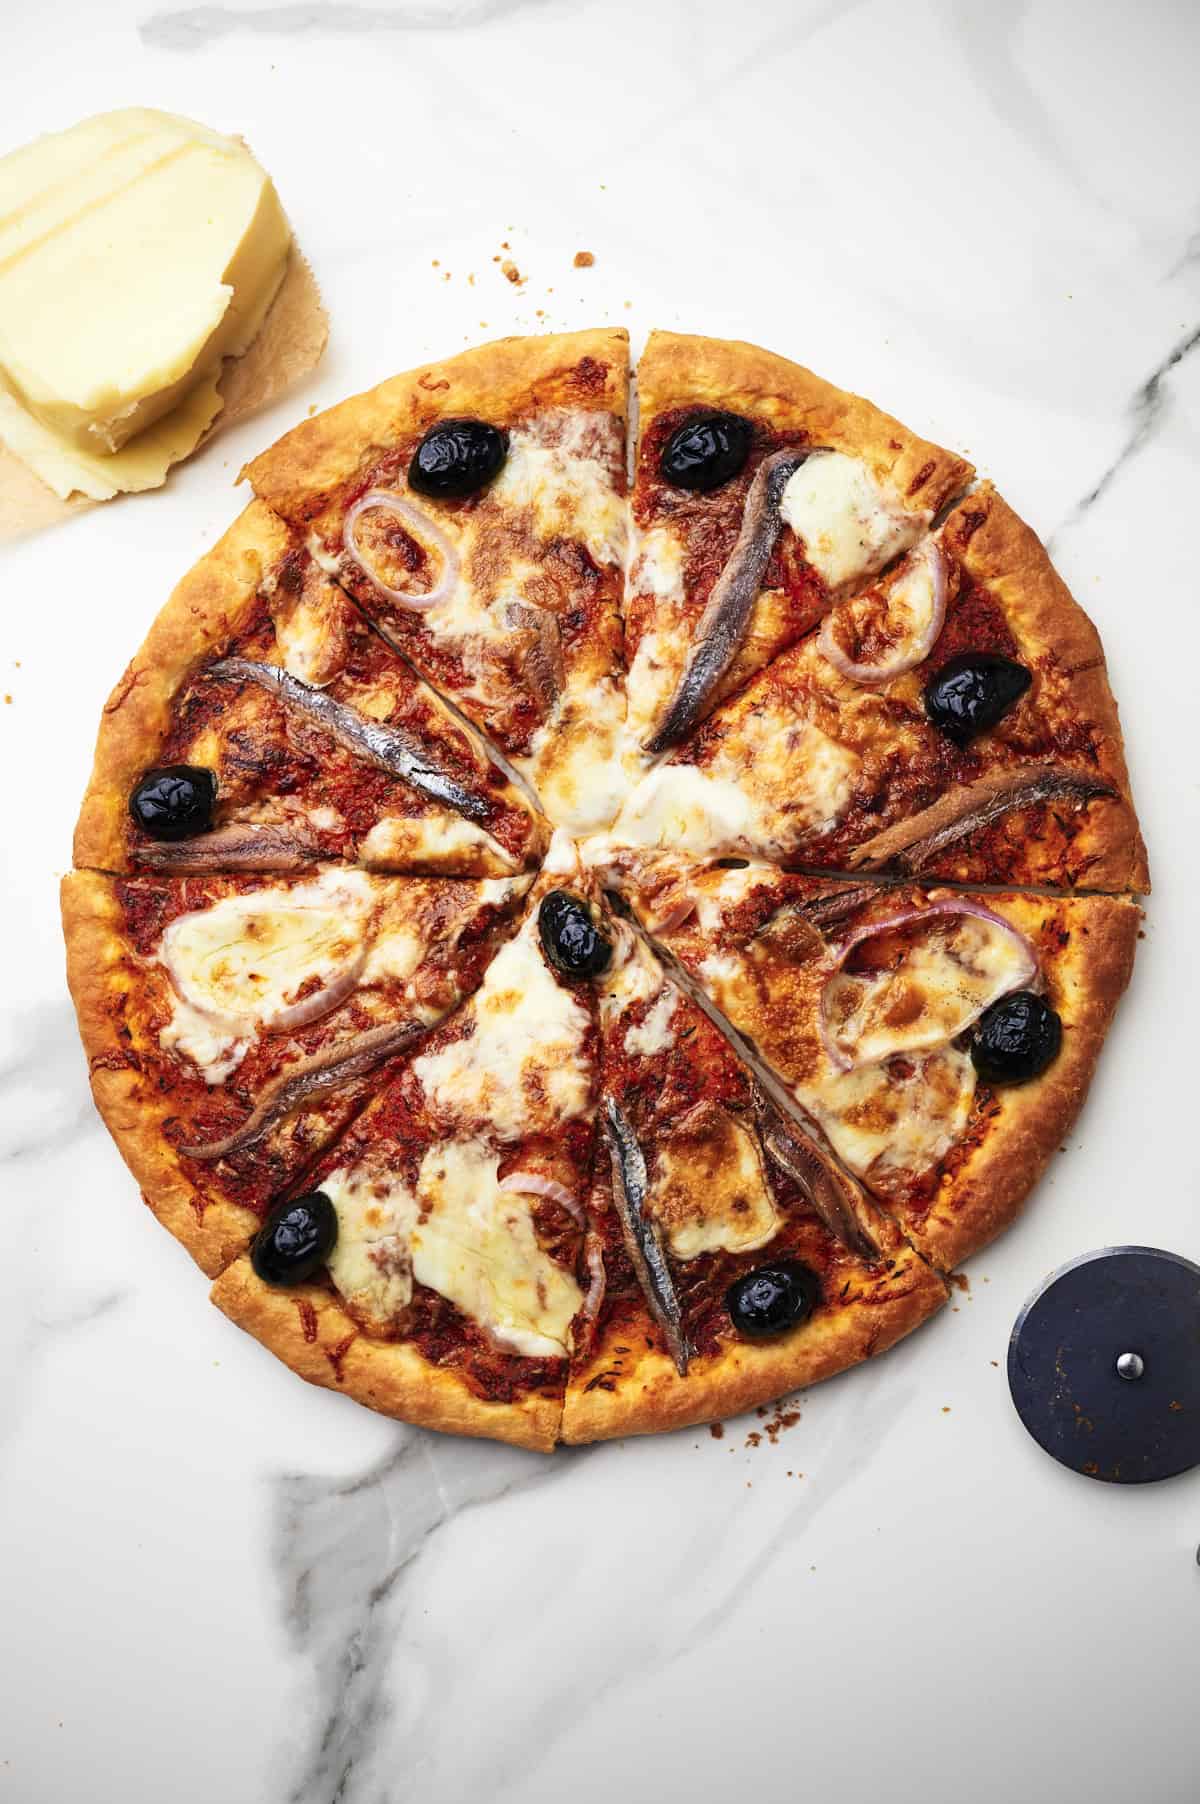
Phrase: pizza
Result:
[574,956]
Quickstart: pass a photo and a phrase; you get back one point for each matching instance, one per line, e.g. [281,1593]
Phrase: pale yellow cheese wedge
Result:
[137,251]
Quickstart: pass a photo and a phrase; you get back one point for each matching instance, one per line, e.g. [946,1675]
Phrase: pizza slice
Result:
[729,1258]
[761,496]
[264,726]
[476,511]
[234,1025]
[954,720]
[941,1043]
[432,1267]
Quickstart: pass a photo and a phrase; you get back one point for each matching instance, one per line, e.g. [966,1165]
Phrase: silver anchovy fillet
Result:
[641,1237]
[911,845]
[391,748]
[241,846]
[718,634]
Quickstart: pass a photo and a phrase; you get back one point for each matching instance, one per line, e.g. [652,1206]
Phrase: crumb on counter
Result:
[717,1430]
[584,259]
[508,268]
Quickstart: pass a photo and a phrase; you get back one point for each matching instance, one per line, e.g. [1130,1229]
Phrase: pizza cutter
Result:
[1104,1365]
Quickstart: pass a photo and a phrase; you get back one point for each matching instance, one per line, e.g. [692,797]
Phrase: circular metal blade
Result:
[1104,1365]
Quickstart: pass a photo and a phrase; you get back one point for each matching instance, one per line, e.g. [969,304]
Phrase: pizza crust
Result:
[647,1395]
[679,370]
[213,1230]
[499,382]
[306,1327]
[210,605]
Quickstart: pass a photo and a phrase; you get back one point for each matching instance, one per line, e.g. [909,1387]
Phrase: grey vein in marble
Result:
[193,27]
[342,1549]
[1146,413]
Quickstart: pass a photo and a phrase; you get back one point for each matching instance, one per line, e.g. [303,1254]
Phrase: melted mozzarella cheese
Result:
[653,675]
[708,1189]
[755,797]
[891,1121]
[433,843]
[582,763]
[522,1069]
[849,526]
[570,496]
[958,966]
[311,633]
[371,1262]
[656,1033]
[237,966]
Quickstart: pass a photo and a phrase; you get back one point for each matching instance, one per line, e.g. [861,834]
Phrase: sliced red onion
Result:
[426,529]
[321,1002]
[593,1301]
[670,911]
[900,658]
[532,1183]
[1022,979]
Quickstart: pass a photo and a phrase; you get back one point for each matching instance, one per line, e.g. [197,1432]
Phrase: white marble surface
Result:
[218,1584]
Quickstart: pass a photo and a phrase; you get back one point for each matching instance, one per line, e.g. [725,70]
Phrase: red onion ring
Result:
[532,1183]
[426,529]
[841,1060]
[594,1297]
[284,1020]
[900,659]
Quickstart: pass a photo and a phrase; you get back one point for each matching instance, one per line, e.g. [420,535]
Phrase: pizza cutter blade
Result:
[1104,1365]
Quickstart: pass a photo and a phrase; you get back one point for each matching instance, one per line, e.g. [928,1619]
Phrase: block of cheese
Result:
[138,250]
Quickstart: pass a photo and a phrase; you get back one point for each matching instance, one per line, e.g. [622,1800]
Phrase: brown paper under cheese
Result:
[288,346]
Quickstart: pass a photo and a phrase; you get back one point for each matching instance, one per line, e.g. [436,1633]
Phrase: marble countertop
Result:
[219,1584]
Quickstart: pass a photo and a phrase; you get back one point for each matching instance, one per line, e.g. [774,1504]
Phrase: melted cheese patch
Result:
[522,1070]
[894,1120]
[458,1233]
[570,496]
[754,797]
[656,1033]
[582,763]
[708,1189]
[310,632]
[438,842]
[237,966]
[850,528]
[957,967]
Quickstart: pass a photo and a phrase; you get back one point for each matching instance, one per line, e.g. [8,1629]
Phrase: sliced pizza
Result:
[729,1258]
[265,726]
[954,720]
[446,1228]
[234,1025]
[476,510]
[761,496]
[942,1044]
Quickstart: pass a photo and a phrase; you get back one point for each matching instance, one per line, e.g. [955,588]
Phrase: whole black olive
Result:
[174,802]
[972,691]
[1016,1039]
[570,938]
[706,451]
[457,457]
[295,1240]
[772,1298]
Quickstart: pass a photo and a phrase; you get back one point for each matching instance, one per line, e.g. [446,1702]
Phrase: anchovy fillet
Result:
[391,748]
[801,1155]
[911,845]
[719,632]
[241,846]
[313,1077]
[543,671]
[640,1235]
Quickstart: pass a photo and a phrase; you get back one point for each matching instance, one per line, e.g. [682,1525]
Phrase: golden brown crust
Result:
[679,370]
[979,1198]
[996,547]
[210,605]
[647,1394]
[213,1230]
[500,382]
[306,1327]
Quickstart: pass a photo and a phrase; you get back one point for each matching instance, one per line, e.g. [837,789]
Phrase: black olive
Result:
[972,691]
[175,801]
[1016,1039]
[456,457]
[772,1298]
[571,940]
[295,1240]
[706,451]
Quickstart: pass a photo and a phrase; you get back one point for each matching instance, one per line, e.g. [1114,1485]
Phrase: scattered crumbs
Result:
[995,1362]
[508,268]
[8,698]
[540,313]
[584,259]
[749,1485]
[961,1281]
[471,280]
[496,258]
[945,1409]
[761,1412]
[783,1418]
[504,244]
[436,262]
[629,303]
[717,1430]
[1175,1404]
[312,408]
[1091,1468]
[754,1439]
